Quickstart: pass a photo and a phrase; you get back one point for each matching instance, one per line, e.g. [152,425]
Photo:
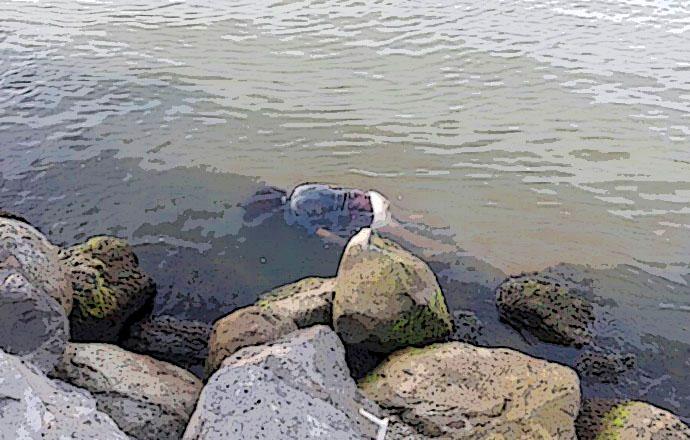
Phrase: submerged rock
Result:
[307,302]
[181,342]
[109,288]
[602,419]
[244,327]
[456,390]
[35,407]
[386,298]
[545,308]
[147,398]
[32,324]
[24,249]
[296,388]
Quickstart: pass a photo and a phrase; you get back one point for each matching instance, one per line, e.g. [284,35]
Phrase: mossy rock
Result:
[551,311]
[109,288]
[606,419]
[386,298]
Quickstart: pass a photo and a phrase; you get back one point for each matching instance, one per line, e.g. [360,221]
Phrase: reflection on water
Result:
[537,131]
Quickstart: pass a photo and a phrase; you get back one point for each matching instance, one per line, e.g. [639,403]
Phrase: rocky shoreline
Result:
[83,356]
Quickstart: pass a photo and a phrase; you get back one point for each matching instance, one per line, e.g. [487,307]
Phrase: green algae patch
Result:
[614,421]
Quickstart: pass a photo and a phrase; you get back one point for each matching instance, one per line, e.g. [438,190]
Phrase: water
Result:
[532,132]
[537,131]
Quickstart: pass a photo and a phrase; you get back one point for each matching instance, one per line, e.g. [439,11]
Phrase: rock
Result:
[456,390]
[603,419]
[342,211]
[33,325]
[35,407]
[296,388]
[386,298]
[181,342]
[109,288]
[24,249]
[604,366]
[307,302]
[247,326]
[549,310]
[147,398]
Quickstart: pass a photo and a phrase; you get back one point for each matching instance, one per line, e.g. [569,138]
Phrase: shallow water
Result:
[537,131]
[532,132]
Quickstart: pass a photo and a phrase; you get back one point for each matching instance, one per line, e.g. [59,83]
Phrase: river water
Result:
[536,131]
[530,132]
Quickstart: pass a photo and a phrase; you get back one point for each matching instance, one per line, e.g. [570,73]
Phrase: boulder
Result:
[181,342]
[386,298]
[147,398]
[109,288]
[33,325]
[35,407]
[550,310]
[296,388]
[24,249]
[456,390]
[602,419]
[247,326]
[307,302]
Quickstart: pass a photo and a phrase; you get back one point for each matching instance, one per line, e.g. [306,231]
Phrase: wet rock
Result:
[109,288]
[386,298]
[33,325]
[35,407]
[147,398]
[307,302]
[549,310]
[456,390]
[251,325]
[181,342]
[24,249]
[604,366]
[342,211]
[602,419]
[296,388]
[467,326]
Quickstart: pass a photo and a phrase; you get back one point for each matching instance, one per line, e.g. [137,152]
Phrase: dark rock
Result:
[551,311]
[181,342]
[604,366]
[109,288]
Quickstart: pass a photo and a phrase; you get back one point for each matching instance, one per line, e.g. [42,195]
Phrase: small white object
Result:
[381,423]
[380,206]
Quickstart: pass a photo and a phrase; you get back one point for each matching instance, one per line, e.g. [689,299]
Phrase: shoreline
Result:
[206,211]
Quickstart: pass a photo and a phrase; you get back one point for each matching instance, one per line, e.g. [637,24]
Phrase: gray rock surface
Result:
[148,399]
[32,324]
[35,407]
[296,388]
[456,390]
[24,249]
